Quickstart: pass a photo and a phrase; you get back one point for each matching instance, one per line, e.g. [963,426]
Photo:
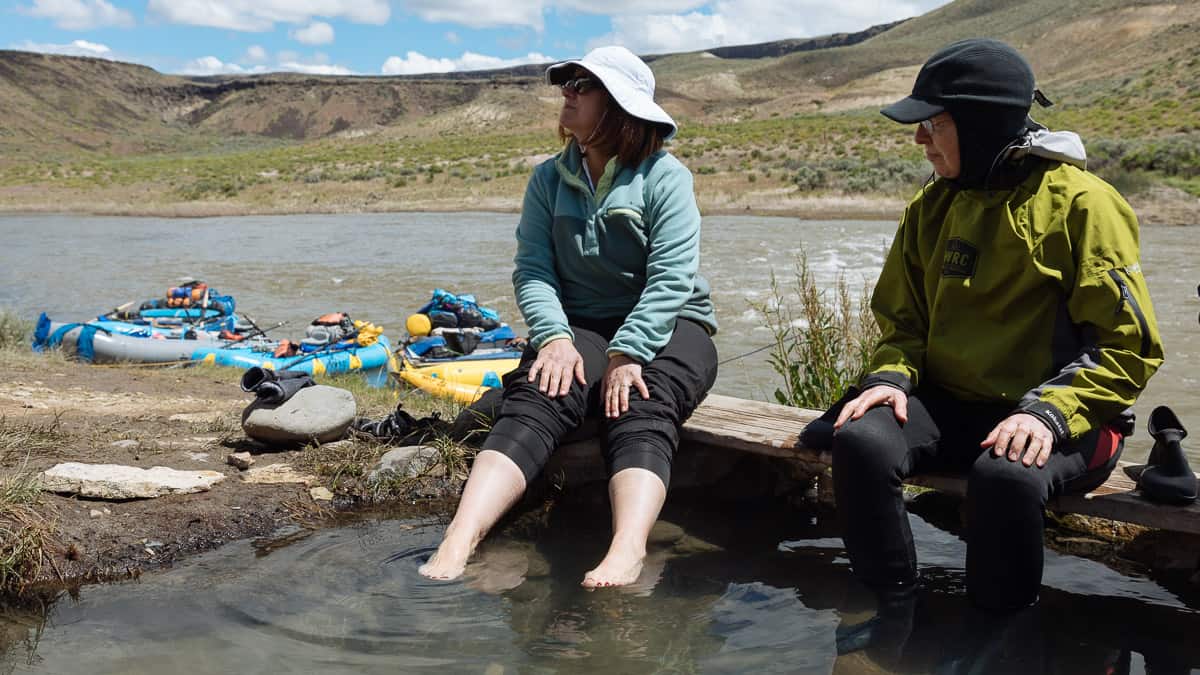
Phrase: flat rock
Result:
[242,460]
[126,443]
[277,473]
[115,481]
[318,413]
[407,462]
[321,494]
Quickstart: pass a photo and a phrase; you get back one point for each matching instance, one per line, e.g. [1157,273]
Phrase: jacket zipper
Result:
[1127,297]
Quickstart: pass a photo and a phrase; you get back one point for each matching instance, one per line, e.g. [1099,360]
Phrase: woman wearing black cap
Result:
[620,321]
[1017,331]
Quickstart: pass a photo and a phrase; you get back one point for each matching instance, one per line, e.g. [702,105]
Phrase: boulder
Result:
[319,413]
[115,481]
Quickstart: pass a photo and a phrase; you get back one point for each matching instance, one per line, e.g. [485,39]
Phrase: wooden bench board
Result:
[774,430]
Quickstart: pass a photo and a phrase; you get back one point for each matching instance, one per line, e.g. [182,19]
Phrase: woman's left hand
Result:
[622,374]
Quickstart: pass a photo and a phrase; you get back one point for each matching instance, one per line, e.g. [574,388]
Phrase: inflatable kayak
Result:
[332,360]
[97,342]
[429,364]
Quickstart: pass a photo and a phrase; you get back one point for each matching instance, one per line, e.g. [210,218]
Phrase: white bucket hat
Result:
[625,76]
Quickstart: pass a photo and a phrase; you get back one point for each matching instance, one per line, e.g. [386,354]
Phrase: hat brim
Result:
[631,100]
[911,110]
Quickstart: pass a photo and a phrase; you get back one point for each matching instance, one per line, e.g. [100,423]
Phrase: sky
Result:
[399,37]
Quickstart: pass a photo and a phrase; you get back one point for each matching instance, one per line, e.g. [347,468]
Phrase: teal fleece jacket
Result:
[631,250]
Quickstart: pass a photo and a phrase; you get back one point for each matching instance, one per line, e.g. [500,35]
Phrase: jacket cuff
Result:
[1052,416]
[889,378]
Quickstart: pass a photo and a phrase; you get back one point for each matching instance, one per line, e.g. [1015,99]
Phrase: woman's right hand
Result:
[557,361]
[875,396]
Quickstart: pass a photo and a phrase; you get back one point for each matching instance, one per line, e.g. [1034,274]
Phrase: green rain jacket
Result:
[629,250]
[1032,296]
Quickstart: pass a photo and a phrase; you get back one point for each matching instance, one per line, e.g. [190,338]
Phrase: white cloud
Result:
[480,13]
[735,22]
[452,37]
[79,14]
[255,54]
[314,68]
[75,48]
[529,13]
[210,65]
[415,62]
[262,15]
[316,33]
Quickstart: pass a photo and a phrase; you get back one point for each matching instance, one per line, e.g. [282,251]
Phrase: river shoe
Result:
[1167,477]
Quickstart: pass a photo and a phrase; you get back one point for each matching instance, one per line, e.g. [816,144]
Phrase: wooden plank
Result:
[774,430]
[752,426]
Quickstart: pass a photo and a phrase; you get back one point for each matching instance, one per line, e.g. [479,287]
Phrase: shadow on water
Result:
[746,588]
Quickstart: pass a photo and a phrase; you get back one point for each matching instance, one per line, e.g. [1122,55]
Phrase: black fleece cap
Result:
[975,71]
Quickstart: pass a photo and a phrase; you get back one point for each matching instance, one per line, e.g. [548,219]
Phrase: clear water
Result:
[740,590]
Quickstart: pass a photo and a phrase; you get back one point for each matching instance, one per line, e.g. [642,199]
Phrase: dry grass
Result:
[26,531]
[30,438]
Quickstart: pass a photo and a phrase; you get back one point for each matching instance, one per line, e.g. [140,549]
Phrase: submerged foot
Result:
[619,568]
[498,568]
[447,563]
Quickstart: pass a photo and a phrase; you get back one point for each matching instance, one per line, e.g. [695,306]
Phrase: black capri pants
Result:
[1005,499]
[530,424]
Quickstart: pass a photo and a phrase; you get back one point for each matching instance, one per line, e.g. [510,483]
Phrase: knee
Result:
[995,479]
[864,443]
[641,439]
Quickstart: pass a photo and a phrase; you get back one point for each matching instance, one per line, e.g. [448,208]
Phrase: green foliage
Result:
[15,332]
[822,346]
[808,178]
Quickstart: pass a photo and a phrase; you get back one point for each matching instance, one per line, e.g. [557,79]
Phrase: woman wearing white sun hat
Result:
[620,321]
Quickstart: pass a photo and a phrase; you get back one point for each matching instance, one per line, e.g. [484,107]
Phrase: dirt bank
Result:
[52,411]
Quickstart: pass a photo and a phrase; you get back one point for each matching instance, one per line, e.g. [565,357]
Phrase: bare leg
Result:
[637,495]
[495,484]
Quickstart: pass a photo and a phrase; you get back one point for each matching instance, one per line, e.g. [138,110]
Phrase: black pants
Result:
[1005,499]
[530,424]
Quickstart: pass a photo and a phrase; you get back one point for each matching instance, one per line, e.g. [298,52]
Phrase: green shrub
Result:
[827,349]
[14,331]
[808,178]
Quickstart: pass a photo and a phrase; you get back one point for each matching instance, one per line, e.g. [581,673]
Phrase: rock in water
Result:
[115,481]
[318,413]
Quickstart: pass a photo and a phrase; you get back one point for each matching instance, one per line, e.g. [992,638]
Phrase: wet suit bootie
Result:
[1167,478]
[885,634]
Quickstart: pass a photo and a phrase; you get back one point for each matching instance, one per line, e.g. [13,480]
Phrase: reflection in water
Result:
[730,598]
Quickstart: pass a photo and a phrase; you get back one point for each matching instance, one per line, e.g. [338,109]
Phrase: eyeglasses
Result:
[580,85]
[930,126]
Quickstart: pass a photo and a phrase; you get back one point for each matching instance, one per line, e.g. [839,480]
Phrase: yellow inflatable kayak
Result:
[459,364]
[463,380]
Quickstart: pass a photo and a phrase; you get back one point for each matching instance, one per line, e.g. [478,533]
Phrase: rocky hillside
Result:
[784,127]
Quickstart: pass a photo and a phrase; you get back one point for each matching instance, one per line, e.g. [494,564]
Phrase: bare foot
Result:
[619,568]
[447,563]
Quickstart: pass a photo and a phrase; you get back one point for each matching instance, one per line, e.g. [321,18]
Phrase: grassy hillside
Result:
[795,128]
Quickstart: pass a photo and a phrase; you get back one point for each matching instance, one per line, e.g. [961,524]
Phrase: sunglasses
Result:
[929,126]
[580,85]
